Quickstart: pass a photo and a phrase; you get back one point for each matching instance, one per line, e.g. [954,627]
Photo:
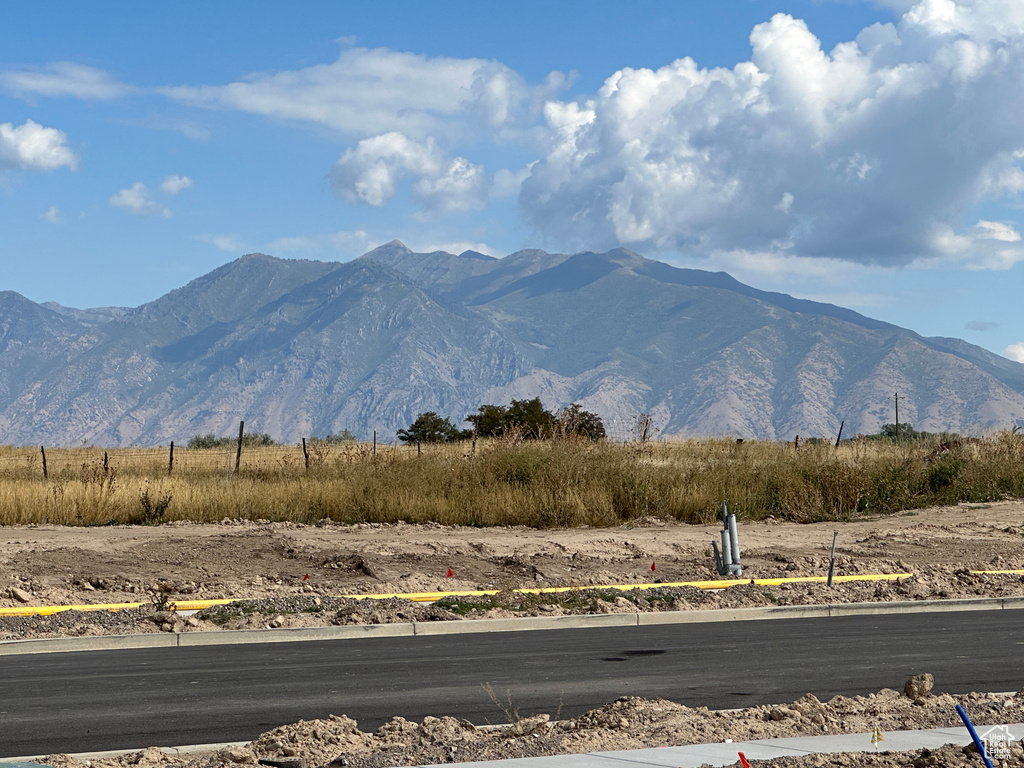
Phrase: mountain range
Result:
[300,348]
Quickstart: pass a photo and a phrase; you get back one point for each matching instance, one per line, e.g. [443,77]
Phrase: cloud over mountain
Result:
[870,152]
[370,172]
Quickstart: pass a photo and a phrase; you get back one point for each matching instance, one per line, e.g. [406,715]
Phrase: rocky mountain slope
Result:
[300,347]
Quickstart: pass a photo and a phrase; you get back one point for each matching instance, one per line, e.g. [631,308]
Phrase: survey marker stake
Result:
[832,559]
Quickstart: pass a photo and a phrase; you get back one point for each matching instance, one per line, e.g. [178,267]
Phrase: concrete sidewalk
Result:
[724,754]
[690,756]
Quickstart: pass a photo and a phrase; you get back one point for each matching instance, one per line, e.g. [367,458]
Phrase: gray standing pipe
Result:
[719,566]
[726,550]
[734,540]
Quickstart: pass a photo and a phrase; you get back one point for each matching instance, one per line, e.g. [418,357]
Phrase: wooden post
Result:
[375,443]
[305,453]
[238,455]
[106,464]
[840,435]
[42,450]
[897,417]
[170,459]
[796,443]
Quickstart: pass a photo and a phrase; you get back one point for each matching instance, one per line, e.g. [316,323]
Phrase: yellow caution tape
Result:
[429,597]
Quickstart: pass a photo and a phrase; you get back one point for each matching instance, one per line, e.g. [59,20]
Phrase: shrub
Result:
[249,440]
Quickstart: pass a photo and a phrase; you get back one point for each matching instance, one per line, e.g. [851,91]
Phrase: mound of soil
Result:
[627,723]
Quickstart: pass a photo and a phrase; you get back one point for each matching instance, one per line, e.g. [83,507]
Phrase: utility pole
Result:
[897,416]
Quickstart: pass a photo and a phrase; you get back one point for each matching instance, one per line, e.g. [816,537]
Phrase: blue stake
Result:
[974,735]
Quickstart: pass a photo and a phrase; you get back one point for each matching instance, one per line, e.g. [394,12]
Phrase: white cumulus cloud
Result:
[138,200]
[172,185]
[34,147]
[369,174]
[63,78]
[1015,352]
[51,215]
[870,152]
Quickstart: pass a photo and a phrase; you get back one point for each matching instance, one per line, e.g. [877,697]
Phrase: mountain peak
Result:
[476,255]
[393,248]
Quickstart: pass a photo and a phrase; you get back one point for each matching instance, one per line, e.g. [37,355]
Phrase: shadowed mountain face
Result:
[297,348]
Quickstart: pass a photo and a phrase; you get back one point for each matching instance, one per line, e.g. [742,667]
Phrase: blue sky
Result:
[870,154]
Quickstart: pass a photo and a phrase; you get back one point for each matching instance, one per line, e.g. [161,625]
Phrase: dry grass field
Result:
[541,484]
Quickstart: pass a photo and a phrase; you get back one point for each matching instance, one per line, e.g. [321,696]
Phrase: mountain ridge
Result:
[299,347]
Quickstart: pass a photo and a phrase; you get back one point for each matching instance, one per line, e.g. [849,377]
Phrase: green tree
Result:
[430,428]
[536,421]
[576,421]
[489,420]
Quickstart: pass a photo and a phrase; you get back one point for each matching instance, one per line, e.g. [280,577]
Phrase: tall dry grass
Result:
[539,484]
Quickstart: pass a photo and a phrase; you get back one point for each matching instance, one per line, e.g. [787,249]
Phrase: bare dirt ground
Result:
[294,571]
[268,565]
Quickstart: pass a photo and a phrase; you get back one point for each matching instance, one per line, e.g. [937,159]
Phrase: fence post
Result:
[106,465]
[42,450]
[305,453]
[170,460]
[238,455]
[840,435]
[375,443]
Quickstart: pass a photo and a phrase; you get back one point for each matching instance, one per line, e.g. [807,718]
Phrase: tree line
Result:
[528,419]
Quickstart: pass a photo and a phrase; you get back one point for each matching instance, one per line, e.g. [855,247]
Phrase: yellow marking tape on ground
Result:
[49,610]
[429,597]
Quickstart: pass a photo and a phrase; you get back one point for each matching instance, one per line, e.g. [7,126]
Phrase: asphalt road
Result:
[89,701]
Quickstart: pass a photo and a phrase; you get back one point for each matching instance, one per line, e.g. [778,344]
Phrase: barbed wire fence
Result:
[92,462]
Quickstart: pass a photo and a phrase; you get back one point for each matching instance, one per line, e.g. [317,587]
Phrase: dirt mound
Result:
[627,723]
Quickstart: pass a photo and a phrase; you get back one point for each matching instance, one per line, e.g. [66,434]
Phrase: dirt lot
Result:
[295,570]
[268,564]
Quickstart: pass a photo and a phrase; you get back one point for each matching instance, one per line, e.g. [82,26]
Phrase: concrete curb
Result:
[293,634]
[526,623]
[435,628]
